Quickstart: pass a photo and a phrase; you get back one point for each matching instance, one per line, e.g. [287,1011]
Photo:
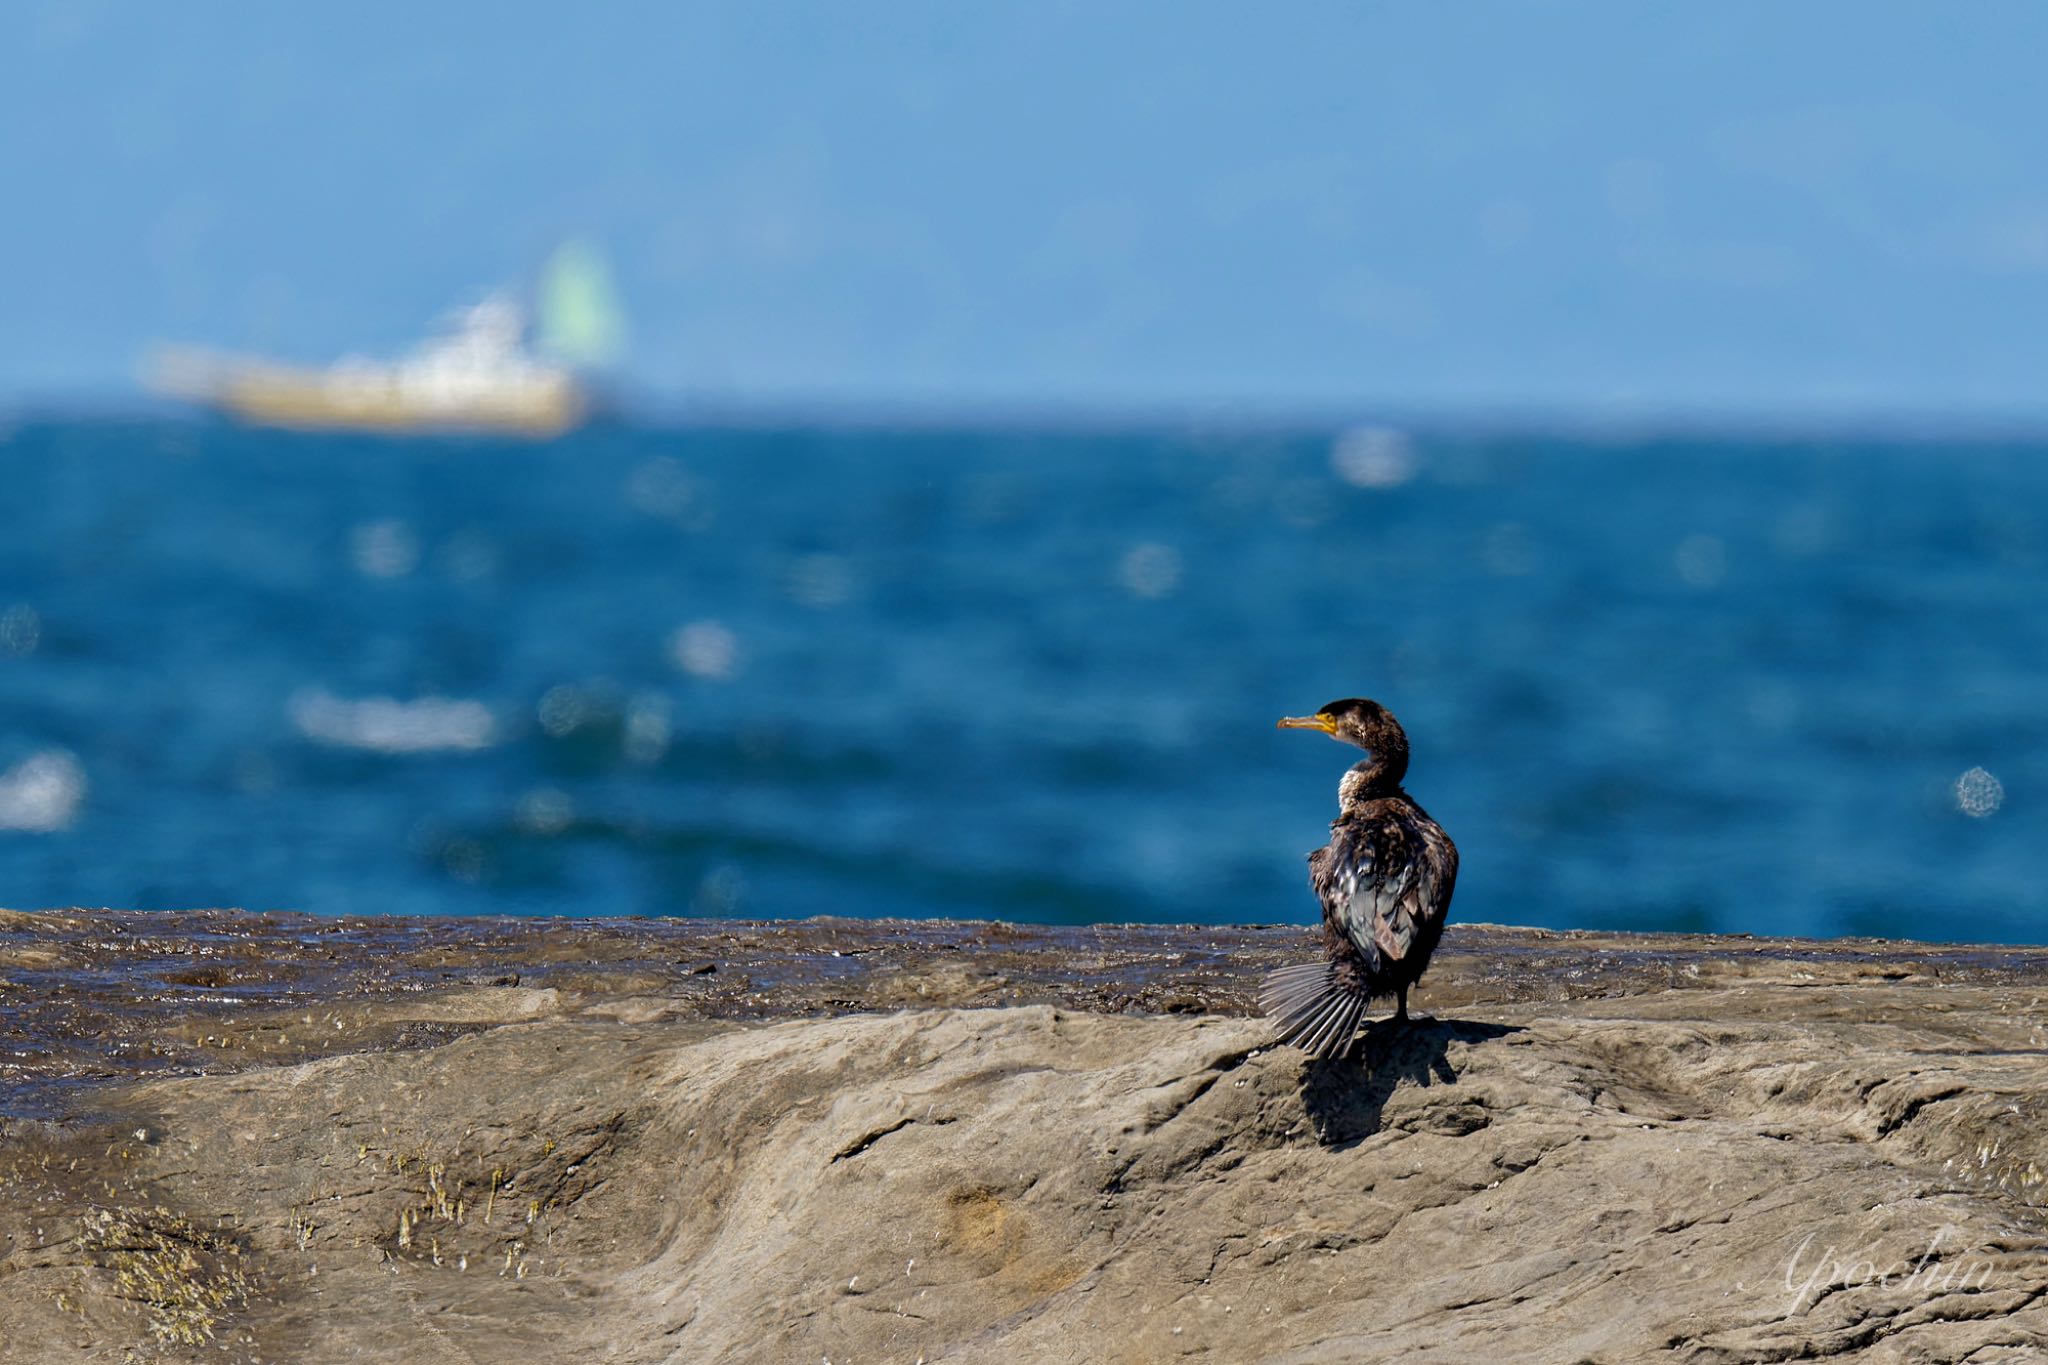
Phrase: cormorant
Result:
[1384,880]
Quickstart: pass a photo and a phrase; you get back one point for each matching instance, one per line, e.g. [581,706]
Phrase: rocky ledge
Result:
[272,1138]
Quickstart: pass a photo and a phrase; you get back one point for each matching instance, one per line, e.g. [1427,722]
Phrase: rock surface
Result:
[722,1143]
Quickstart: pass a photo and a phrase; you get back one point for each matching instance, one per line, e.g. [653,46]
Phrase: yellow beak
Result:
[1319,721]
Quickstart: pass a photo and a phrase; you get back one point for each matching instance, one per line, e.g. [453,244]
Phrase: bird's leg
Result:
[1401,1010]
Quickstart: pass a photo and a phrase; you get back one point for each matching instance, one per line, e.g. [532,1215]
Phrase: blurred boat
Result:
[477,375]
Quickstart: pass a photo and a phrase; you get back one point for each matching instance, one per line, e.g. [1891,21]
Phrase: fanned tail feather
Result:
[1312,1008]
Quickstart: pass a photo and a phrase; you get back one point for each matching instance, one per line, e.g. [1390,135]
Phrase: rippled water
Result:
[1791,687]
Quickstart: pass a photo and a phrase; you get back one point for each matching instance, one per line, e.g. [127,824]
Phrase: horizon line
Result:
[1604,421]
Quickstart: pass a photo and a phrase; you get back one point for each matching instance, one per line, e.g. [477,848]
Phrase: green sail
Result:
[577,312]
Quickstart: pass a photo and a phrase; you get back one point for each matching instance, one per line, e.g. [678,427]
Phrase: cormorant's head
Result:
[1355,720]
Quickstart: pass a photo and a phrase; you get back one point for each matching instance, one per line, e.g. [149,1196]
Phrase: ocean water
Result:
[1774,686]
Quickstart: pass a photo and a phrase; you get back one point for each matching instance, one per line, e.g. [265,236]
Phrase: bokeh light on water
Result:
[1752,685]
[1978,793]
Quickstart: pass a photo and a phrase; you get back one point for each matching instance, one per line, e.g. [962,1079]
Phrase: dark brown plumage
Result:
[1385,882]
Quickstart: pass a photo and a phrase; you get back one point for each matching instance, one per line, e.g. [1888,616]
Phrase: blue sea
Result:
[1773,685]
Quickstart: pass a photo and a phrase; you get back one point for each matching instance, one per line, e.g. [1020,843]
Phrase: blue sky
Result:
[1747,208]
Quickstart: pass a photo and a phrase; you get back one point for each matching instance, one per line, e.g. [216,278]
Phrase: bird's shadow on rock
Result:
[1345,1096]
